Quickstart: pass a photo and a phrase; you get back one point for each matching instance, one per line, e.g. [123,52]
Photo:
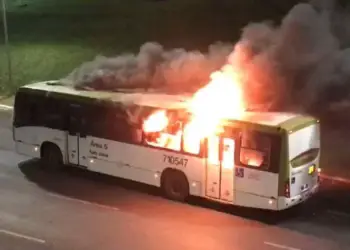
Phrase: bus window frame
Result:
[274,152]
[59,106]
[200,154]
[227,133]
[257,134]
[25,97]
[24,102]
[101,118]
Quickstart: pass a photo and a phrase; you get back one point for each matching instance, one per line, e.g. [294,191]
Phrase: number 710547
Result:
[174,160]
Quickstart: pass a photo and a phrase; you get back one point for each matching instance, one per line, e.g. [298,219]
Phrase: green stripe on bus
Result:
[298,123]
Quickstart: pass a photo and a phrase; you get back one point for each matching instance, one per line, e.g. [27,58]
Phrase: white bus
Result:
[263,160]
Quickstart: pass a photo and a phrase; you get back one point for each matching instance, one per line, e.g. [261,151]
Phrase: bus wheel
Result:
[175,185]
[51,157]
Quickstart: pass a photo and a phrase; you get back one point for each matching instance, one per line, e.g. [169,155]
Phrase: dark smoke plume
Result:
[304,64]
[301,65]
[175,70]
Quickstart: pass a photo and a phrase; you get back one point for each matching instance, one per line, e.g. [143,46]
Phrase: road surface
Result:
[75,209]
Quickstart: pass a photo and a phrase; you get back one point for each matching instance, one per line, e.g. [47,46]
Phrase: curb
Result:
[323,176]
[5,107]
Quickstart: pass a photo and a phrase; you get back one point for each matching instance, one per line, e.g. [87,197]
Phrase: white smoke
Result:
[302,64]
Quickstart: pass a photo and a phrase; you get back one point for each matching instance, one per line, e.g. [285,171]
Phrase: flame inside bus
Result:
[156,122]
[221,98]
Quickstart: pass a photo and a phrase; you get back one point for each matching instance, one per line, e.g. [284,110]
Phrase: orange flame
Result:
[221,99]
[156,122]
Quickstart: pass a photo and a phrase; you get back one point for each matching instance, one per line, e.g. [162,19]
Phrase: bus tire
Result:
[50,156]
[175,185]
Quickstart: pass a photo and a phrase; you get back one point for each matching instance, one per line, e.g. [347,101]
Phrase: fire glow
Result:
[221,98]
[156,122]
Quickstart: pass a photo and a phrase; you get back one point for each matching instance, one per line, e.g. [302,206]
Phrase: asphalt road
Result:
[75,209]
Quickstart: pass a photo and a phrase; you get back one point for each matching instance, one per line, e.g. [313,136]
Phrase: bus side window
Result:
[228,153]
[35,113]
[255,149]
[192,141]
[213,149]
[96,122]
[169,138]
[110,123]
[22,112]
[54,116]
[164,140]
[74,118]
[191,144]
[121,130]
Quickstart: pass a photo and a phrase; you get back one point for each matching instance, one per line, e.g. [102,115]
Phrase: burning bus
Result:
[204,145]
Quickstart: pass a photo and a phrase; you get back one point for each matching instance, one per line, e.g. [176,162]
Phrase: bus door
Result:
[76,136]
[220,168]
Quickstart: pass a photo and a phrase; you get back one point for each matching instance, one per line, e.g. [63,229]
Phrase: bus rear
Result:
[303,163]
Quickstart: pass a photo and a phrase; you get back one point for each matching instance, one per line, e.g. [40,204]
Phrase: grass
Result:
[42,62]
[51,37]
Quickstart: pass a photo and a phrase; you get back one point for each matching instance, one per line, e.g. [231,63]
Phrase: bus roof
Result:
[286,121]
[137,97]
